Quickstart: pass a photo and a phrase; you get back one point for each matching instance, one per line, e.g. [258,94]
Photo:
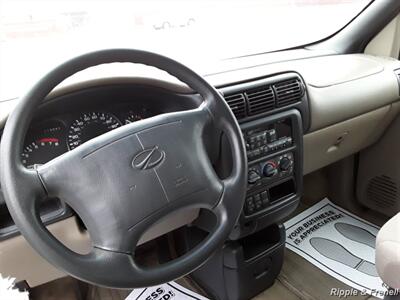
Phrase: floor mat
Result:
[167,291]
[339,243]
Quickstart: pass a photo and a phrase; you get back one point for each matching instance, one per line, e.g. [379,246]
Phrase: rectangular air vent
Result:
[264,96]
[260,100]
[237,103]
[288,92]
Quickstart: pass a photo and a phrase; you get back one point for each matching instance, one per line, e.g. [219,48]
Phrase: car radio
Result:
[268,138]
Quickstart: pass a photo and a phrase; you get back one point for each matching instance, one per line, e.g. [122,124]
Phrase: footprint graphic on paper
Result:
[356,234]
[337,252]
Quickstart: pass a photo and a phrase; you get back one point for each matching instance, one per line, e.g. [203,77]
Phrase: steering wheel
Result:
[126,180]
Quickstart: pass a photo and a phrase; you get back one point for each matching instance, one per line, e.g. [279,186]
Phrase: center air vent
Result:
[260,100]
[288,92]
[237,103]
[264,95]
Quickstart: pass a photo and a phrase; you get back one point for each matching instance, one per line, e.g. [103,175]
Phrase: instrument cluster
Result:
[52,137]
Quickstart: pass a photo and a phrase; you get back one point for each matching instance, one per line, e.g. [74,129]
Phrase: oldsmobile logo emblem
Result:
[148,158]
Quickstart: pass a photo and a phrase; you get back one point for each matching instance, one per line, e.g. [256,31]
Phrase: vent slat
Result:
[255,93]
[288,98]
[262,104]
[237,103]
[287,84]
[260,100]
[288,92]
[260,97]
[265,98]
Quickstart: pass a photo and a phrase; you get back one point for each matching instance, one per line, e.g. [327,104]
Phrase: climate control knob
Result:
[284,164]
[270,169]
[253,176]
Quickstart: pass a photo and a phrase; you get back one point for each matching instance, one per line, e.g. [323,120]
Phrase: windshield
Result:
[37,35]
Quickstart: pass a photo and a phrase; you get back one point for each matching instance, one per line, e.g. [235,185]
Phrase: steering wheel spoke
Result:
[30,191]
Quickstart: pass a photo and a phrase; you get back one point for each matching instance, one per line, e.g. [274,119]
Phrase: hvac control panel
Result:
[263,173]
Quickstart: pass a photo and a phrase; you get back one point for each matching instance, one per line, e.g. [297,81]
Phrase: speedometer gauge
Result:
[89,126]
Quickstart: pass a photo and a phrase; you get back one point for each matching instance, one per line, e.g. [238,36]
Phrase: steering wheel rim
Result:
[200,187]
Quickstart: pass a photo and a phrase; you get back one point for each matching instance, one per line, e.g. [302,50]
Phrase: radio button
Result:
[258,205]
[272,136]
[250,206]
[264,198]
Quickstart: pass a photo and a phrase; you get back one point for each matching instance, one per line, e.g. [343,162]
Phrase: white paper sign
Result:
[167,291]
[339,243]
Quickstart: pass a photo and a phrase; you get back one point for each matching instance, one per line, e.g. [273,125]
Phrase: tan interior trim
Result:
[337,103]
[19,260]
[335,142]
[387,42]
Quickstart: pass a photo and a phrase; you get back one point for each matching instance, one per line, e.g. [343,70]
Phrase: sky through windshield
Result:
[35,36]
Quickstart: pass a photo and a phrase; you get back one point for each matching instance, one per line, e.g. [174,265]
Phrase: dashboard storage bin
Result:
[244,268]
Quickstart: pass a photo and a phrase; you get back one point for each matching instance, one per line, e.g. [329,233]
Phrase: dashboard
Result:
[52,137]
[356,98]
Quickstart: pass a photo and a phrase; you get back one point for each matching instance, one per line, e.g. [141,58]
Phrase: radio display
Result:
[268,138]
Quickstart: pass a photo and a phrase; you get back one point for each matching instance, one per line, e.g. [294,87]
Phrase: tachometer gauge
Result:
[41,151]
[44,142]
[89,126]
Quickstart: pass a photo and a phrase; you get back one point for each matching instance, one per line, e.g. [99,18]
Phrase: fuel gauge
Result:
[134,115]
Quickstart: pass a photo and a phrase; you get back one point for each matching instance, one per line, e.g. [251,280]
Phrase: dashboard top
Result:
[79,111]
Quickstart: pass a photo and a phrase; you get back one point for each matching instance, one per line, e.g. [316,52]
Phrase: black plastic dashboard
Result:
[54,136]
[65,122]
[275,103]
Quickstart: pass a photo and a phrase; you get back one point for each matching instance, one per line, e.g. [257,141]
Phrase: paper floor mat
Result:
[339,243]
[167,291]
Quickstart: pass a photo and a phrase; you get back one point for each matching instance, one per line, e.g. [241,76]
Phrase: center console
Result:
[274,152]
[272,113]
